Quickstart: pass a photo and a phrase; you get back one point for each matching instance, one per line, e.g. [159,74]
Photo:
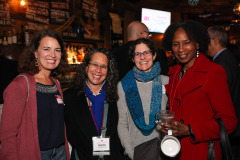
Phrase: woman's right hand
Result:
[178,129]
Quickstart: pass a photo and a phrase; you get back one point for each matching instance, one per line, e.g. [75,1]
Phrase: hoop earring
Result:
[197,53]
[36,62]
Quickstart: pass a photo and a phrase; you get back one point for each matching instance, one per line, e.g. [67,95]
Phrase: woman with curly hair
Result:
[198,92]
[33,111]
[93,89]
[142,95]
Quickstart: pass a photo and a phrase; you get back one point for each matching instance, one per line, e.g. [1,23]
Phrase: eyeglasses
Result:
[145,53]
[96,66]
[149,35]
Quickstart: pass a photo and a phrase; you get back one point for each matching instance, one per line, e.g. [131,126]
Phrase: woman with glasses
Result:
[141,96]
[91,114]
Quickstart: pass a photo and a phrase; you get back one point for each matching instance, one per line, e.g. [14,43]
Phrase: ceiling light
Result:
[193,2]
[236,9]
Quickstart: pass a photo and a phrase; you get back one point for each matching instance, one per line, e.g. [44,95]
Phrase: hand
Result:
[178,129]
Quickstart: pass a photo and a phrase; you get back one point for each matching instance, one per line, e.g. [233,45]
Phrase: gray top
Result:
[129,134]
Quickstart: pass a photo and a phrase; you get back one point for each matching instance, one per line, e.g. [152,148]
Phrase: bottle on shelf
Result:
[19,42]
[27,37]
[1,38]
[9,37]
[4,38]
[22,35]
[14,36]
[73,60]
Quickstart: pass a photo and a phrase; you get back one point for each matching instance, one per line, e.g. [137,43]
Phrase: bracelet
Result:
[191,132]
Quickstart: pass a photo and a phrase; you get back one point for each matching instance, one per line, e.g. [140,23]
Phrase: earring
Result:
[173,57]
[197,53]
[36,62]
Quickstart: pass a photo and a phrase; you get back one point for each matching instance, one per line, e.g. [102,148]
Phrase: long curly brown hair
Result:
[27,59]
[79,81]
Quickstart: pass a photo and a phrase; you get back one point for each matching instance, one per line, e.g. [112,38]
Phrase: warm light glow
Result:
[23,3]
[236,9]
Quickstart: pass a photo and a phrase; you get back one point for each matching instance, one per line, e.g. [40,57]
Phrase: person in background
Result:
[136,30]
[235,50]
[197,91]
[8,71]
[93,88]
[32,124]
[223,56]
[141,96]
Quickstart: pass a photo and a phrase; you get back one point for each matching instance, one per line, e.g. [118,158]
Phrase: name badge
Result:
[101,144]
[59,99]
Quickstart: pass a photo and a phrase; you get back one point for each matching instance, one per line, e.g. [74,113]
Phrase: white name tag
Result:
[100,144]
[59,99]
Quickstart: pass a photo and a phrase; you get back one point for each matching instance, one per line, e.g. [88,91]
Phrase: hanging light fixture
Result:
[236,9]
[22,2]
[193,2]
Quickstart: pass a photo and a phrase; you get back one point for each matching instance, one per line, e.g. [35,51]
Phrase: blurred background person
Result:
[197,90]
[223,56]
[33,112]
[141,95]
[235,50]
[8,71]
[136,30]
[94,85]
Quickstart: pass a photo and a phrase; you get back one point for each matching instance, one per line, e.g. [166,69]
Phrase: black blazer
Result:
[229,63]
[81,128]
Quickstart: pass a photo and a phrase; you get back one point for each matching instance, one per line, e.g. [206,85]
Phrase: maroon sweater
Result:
[19,129]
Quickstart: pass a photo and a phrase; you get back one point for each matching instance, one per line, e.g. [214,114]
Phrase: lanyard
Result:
[103,129]
[104,124]
[172,95]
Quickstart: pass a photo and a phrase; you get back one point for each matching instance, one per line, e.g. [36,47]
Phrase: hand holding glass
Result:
[165,116]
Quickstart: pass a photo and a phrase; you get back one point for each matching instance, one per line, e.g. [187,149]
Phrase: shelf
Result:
[77,40]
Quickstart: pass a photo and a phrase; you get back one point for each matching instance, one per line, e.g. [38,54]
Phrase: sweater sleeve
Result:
[123,126]
[15,97]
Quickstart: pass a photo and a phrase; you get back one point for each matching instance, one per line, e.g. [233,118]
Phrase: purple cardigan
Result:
[19,129]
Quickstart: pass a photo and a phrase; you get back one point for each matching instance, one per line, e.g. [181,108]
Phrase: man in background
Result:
[221,55]
[136,30]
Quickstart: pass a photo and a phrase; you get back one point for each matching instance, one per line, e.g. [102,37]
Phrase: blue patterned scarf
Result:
[97,105]
[134,100]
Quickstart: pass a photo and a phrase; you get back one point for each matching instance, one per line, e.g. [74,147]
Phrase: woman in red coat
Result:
[198,92]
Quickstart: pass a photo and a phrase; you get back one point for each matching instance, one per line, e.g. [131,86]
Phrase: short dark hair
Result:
[79,81]
[27,59]
[220,33]
[133,45]
[196,32]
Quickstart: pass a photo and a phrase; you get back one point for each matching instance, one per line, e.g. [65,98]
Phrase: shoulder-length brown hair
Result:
[79,81]
[27,60]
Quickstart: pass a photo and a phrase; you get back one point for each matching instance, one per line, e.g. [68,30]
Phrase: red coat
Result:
[19,129]
[201,96]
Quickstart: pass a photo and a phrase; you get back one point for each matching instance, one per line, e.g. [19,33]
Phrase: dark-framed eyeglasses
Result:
[145,53]
[96,66]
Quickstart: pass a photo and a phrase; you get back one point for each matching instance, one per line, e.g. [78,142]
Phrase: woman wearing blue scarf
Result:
[141,96]
[94,85]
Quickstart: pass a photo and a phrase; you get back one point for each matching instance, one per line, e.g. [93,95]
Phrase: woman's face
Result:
[48,54]
[143,62]
[184,49]
[97,69]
